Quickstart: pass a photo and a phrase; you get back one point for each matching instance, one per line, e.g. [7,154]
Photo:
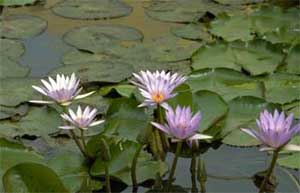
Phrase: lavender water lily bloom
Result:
[62,90]
[182,124]
[275,131]
[82,119]
[157,87]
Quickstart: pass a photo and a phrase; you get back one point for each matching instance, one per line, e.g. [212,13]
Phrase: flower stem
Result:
[173,168]
[193,173]
[134,165]
[83,139]
[164,139]
[79,144]
[269,171]
[107,179]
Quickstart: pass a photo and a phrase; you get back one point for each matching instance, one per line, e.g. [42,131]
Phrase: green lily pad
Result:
[121,160]
[238,2]
[98,38]
[182,11]
[38,122]
[213,108]
[11,48]
[17,2]
[225,82]
[257,57]
[22,26]
[17,90]
[293,107]
[79,57]
[105,71]
[92,9]
[125,90]
[11,69]
[125,119]
[217,55]
[226,27]
[277,84]
[39,179]
[290,161]
[243,112]
[7,112]
[293,60]
[14,153]
[193,31]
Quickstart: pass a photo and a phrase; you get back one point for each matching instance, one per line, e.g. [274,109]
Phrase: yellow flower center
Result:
[158,97]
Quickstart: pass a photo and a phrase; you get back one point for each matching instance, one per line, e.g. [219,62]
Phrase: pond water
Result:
[230,168]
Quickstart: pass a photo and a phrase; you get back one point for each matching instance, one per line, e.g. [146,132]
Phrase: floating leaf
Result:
[193,31]
[79,57]
[12,69]
[21,26]
[125,90]
[121,161]
[293,107]
[225,82]
[217,55]
[293,60]
[11,49]
[17,2]
[290,161]
[277,84]
[98,38]
[39,179]
[238,2]
[7,112]
[105,71]
[92,9]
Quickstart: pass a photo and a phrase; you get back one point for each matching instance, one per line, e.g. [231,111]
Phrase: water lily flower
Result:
[82,119]
[157,87]
[62,91]
[275,131]
[181,124]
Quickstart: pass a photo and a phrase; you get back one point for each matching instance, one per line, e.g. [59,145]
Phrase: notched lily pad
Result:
[92,9]
[77,57]
[193,31]
[11,48]
[7,112]
[12,69]
[21,26]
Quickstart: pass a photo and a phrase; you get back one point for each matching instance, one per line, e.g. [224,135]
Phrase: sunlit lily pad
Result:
[14,153]
[290,161]
[21,26]
[193,31]
[182,11]
[92,9]
[39,179]
[17,2]
[11,48]
[17,90]
[293,61]
[218,55]
[277,84]
[11,69]
[98,38]
[225,82]
[120,164]
[238,2]
[105,71]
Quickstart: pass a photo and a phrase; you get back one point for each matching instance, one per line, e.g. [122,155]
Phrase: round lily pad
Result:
[238,2]
[293,60]
[77,57]
[96,38]
[22,26]
[11,48]
[92,9]
[10,68]
[17,2]
[192,31]
[105,71]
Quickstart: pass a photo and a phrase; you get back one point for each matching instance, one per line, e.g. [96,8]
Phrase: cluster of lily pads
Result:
[235,61]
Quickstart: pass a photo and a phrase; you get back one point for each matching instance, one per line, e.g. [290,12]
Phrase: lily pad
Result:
[22,26]
[39,179]
[290,161]
[193,31]
[277,84]
[225,82]
[11,48]
[7,112]
[121,161]
[17,90]
[257,57]
[105,71]
[11,69]
[98,38]
[125,90]
[17,2]
[293,107]
[293,60]
[125,119]
[79,57]
[239,2]
[92,9]
[217,55]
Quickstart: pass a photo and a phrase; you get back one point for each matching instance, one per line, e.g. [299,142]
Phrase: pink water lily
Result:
[82,119]
[275,131]
[181,124]
[62,90]
[157,87]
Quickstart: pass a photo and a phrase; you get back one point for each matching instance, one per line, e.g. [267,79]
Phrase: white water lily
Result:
[82,119]
[62,90]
